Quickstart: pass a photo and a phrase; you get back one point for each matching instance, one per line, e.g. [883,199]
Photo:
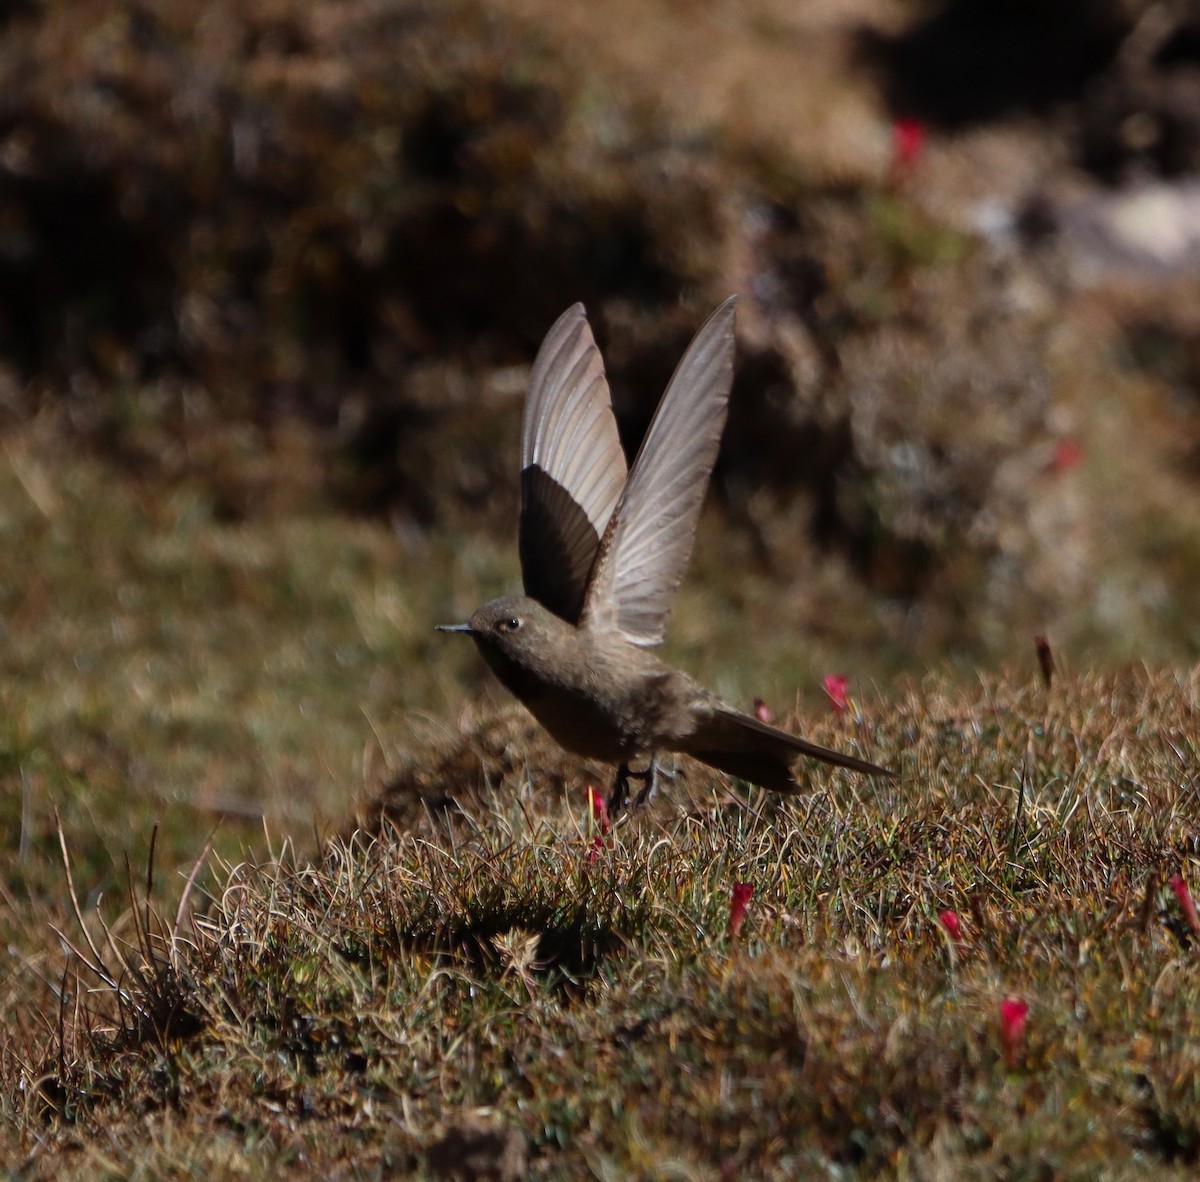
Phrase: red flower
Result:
[1067,454]
[598,844]
[953,925]
[836,686]
[908,143]
[1014,1013]
[598,809]
[597,820]
[1186,904]
[762,711]
[737,908]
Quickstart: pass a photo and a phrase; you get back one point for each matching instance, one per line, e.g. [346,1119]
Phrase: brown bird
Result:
[602,552]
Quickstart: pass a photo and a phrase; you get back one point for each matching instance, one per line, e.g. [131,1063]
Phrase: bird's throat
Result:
[522,683]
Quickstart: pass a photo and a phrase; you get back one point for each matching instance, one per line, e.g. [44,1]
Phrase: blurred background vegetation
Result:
[272,274]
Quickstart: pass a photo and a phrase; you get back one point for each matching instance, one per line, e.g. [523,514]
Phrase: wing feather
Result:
[649,537]
[572,466]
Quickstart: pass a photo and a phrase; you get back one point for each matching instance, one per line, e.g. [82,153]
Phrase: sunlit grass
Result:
[479,965]
[322,1002]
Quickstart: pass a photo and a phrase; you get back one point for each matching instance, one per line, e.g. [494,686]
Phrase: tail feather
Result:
[742,746]
[763,770]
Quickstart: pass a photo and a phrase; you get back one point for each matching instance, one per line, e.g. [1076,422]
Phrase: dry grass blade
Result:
[184,898]
[96,964]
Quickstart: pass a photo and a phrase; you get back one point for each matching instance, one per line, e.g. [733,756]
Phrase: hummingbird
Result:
[603,549]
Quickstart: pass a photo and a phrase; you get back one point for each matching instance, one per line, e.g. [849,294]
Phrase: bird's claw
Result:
[649,777]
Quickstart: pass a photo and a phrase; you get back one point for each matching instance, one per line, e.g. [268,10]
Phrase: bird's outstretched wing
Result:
[572,466]
[649,538]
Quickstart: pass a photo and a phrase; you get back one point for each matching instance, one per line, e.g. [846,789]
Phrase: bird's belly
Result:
[573,715]
[583,728]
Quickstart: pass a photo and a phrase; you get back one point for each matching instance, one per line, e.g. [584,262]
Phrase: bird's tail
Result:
[742,746]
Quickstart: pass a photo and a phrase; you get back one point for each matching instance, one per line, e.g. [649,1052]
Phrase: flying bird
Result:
[602,551]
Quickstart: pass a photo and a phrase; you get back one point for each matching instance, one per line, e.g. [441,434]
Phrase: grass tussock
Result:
[502,985]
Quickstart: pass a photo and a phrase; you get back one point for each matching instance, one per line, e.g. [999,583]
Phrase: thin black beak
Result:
[454,628]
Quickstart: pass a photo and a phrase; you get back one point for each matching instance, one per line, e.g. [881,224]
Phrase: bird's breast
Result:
[595,699]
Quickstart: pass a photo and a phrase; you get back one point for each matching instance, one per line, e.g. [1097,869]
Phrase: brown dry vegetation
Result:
[270,278]
[493,962]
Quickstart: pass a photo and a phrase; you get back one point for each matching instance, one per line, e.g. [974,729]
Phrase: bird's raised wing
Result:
[572,466]
[649,538]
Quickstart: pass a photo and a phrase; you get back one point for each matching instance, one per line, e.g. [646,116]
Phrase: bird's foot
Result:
[649,778]
[620,790]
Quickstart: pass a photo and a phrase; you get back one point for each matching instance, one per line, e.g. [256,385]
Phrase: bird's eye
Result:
[510,625]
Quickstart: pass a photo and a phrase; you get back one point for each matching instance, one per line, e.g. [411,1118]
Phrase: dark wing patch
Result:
[572,465]
[557,544]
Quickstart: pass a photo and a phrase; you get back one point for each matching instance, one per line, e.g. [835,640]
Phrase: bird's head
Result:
[514,629]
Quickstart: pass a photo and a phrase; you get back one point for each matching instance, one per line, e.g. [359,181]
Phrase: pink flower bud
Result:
[1067,455]
[737,908]
[836,686]
[908,143]
[1186,903]
[598,809]
[952,924]
[597,821]
[762,711]
[594,852]
[1014,1013]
